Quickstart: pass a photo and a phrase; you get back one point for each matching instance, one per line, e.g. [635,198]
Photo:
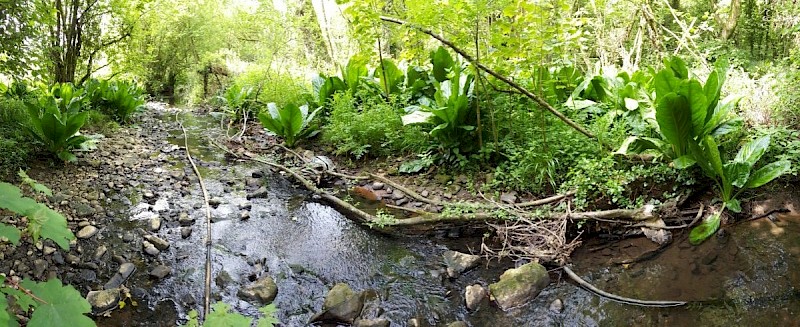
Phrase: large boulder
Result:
[519,285]
[457,262]
[263,290]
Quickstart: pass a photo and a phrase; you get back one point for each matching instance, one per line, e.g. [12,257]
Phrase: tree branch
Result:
[497,75]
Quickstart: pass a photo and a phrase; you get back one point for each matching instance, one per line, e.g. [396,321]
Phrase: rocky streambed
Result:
[137,210]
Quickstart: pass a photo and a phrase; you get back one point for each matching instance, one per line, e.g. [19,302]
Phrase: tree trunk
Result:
[729,26]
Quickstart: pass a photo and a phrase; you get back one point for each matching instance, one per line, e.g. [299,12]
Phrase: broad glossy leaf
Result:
[684,162]
[768,173]
[753,150]
[728,127]
[65,305]
[712,153]
[734,205]
[697,102]
[677,66]
[631,104]
[708,227]
[635,144]
[721,113]
[353,72]
[665,83]
[699,155]
[292,120]
[10,232]
[442,63]
[737,173]
[675,120]
[389,76]
[221,317]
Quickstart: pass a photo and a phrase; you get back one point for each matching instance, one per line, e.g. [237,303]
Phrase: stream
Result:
[746,275]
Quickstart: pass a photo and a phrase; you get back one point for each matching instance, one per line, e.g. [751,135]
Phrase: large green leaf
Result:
[753,150]
[674,119]
[10,232]
[705,229]
[767,173]
[65,306]
[712,153]
[699,154]
[442,63]
[697,102]
[47,223]
[353,72]
[13,200]
[292,119]
[677,66]
[389,76]
[221,317]
[271,119]
[737,173]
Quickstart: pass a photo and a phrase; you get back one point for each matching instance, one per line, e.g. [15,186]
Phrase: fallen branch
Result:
[207,293]
[617,298]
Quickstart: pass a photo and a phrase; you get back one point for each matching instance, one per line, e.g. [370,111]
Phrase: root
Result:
[617,298]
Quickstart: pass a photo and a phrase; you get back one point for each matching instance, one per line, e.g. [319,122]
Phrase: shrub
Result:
[116,99]
[370,127]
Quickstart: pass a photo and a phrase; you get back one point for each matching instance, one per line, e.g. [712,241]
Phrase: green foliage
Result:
[290,122]
[118,99]
[222,316]
[734,174]
[55,118]
[42,221]
[686,111]
[16,144]
[238,101]
[64,306]
[370,126]
[703,231]
[53,304]
[605,183]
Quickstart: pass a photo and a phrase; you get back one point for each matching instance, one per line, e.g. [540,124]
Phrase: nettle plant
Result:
[51,302]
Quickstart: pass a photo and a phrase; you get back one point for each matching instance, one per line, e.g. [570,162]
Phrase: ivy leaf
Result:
[65,306]
[10,232]
[221,317]
[269,319]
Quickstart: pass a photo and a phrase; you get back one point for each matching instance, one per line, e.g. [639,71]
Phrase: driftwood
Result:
[617,298]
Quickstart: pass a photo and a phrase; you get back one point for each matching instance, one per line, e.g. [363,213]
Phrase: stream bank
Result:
[136,201]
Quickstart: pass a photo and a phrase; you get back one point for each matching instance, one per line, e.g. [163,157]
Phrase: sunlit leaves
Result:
[64,305]
[42,221]
[707,228]
[221,317]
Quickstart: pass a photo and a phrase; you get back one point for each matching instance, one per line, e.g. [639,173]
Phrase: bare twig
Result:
[617,298]
[207,299]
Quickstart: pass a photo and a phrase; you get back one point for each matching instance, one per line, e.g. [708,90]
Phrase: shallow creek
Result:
[747,276]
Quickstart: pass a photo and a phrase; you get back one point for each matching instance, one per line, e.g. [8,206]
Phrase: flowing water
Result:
[747,276]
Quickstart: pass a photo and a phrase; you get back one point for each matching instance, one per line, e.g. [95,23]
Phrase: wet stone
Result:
[263,291]
[378,186]
[39,266]
[185,220]
[48,250]
[104,300]
[161,271]
[86,232]
[557,306]
[149,248]
[379,322]
[473,296]
[458,262]
[245,215]
[83,210]
[457,324]
[186,232]
[101,250]
[155,224]
[127,237]
[159,243]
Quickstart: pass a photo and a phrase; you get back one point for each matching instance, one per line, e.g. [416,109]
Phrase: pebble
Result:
[186,232]
[48,250]
[557,306]
[159,243]
[184,219]
[245,215]
[378,186]
[101,250]
[161,271]
[155,224]
[149,248]
[87,232]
